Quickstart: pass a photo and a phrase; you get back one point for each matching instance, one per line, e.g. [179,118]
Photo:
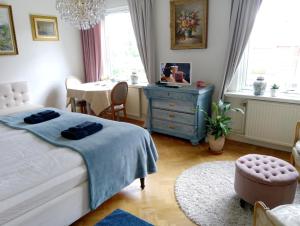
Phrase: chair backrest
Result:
[119,93]
[297,133]
[71,81]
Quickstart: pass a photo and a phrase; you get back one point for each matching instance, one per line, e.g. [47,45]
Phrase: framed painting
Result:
[44,28]
[8,42]
[189,24]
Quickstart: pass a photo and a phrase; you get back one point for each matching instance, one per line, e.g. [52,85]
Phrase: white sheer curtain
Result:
[243,13]
[142,21]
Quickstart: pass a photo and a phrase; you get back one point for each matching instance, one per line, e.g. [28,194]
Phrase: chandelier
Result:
[82,14]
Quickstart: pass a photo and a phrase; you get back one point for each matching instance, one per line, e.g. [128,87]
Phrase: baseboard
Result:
[242,138]
[131,116]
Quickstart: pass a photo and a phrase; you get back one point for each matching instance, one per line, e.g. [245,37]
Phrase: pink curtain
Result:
[91,46]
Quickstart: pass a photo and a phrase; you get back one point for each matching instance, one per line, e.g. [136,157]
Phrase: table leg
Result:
[88,108]
[73,104]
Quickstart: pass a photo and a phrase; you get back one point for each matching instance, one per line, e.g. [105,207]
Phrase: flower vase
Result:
[259,86]
[188,33]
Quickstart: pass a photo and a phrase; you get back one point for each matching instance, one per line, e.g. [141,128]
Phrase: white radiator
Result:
[271,122]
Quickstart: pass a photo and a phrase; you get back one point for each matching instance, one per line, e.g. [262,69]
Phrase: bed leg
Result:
[142,183]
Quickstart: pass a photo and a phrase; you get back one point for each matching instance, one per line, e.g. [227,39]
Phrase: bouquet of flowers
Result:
[187,22]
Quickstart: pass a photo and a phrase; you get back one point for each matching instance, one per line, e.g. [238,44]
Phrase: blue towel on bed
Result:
[41,117]
[114,157]
[82,130]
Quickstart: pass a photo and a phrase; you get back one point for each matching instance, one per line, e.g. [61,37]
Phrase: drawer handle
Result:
[171,127]
[172,104]
[171,116]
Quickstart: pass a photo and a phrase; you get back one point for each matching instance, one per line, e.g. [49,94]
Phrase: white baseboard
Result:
[131,116]
[242,138]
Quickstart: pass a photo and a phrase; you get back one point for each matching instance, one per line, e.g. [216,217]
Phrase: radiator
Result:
[271,122]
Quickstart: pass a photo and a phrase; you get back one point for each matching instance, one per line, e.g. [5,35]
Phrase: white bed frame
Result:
[63,210]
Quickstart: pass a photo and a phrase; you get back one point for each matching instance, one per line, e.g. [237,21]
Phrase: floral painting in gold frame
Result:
[8,42]
[44,28]
[189,24]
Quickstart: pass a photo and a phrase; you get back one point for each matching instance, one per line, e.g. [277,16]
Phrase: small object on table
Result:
[134,78]
[200,84]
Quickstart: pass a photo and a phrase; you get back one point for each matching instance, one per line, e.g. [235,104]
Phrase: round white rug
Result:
[206,195]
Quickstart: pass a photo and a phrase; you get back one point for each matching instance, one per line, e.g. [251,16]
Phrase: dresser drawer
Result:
[174,105]
[173,116]
[172,95]
[172,127]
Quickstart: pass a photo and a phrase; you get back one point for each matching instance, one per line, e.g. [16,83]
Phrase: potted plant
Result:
[274,89]
[218,125]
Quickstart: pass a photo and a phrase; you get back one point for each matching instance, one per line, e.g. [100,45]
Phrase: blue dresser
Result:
[176,111]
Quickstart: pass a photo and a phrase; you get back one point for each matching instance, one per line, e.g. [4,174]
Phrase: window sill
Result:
[137,85]
[281,97]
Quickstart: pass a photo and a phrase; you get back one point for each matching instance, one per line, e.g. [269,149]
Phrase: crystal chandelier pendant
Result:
[82,14]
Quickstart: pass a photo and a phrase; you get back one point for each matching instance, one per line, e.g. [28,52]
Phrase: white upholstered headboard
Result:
[13,94]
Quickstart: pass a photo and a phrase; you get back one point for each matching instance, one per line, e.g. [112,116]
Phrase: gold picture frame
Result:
[8,42]
[44,28]
[188,24]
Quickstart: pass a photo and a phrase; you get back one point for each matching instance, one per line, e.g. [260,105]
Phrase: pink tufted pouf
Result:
[265,178]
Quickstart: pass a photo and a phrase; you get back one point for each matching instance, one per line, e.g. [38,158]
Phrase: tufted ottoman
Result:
[265,178]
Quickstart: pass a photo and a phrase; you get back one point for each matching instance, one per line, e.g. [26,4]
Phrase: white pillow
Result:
[285,215]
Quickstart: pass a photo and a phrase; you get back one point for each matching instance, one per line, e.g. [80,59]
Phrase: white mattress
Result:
[25,107]
[32,172]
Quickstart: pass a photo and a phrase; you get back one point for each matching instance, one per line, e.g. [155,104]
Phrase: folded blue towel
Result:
[41,117]
[82,130]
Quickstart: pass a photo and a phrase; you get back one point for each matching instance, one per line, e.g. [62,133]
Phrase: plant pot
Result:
[273,92]
[216,145]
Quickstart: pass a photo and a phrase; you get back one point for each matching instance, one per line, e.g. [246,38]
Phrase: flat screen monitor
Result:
[175,73]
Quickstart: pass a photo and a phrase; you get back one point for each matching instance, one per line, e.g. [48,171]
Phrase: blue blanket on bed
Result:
[114,156]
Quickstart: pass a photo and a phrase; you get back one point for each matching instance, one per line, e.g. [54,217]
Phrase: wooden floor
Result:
[157,203]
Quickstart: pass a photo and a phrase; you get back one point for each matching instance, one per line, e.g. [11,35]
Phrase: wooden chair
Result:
[260,217]
[118,98]
[295,160]
[263,216]
[81,104]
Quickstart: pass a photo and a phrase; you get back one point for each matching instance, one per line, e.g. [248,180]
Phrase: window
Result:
[273,50]
[121,55]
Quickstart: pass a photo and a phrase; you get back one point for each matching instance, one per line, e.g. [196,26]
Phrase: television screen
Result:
[175,73]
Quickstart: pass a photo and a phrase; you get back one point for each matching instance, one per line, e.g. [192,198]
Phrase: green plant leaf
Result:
[238,110]
[218,123]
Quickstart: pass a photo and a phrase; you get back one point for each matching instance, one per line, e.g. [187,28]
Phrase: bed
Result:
[46,184]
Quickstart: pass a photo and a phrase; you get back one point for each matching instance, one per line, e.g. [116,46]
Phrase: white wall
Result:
[44,64]
[207,64]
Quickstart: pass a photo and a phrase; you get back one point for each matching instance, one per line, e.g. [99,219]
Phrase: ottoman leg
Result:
[242,203]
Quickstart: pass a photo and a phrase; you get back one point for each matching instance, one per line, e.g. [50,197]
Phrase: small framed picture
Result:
[44,28]
[189,24]
[8,42]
